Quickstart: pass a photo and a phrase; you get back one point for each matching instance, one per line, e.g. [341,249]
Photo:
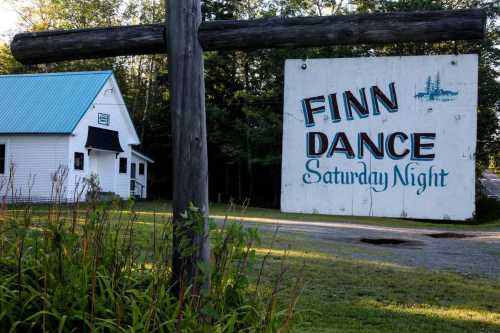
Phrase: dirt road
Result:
[466,252]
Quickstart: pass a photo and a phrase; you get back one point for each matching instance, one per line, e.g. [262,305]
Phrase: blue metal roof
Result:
[47,103]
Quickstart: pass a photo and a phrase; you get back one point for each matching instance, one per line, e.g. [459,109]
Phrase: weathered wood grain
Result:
[51,46]
[430,26]
[190,162]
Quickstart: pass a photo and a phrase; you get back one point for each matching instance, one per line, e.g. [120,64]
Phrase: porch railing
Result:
[136,188]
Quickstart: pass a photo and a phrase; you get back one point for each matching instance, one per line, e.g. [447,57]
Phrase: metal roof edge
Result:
[110,74]
[144,157]
[57,74]
[36,133]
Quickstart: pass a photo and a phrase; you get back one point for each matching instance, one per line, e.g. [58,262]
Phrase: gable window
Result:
[141,169]
[123,165]
[79,159]
[2,159]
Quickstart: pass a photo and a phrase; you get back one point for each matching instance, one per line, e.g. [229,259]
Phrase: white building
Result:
[74,121]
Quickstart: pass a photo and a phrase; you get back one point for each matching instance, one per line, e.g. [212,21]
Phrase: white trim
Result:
[136,139]
[144,157]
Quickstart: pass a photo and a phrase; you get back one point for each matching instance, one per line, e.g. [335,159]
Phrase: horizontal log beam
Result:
[60,45]
[429,26]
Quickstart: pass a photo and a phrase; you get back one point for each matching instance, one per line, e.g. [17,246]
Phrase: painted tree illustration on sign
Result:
[434,92]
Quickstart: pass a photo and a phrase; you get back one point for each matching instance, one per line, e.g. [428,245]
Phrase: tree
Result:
[8,65]
[244,90]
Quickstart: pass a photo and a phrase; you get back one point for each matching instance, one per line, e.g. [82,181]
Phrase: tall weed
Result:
[94,267]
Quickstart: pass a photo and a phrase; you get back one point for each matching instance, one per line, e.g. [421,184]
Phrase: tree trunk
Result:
[187,105]
[148,94]
[247,132]
[137,85]
[240,183]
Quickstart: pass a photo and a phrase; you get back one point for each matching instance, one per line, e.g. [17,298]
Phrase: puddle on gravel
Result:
[392,242]
[452,235]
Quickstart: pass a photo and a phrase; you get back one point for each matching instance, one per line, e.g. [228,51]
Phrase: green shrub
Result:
[101,270]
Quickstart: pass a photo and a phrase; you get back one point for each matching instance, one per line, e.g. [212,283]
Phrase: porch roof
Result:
[142,156]
[103,139]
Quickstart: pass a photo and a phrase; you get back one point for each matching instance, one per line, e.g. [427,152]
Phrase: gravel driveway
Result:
[491,184]
[477,253]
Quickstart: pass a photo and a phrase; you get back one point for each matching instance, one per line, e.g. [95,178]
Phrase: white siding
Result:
[34,156]
[108,101]
[40,156]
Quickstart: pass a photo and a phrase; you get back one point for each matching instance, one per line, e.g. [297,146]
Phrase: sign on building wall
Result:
[103,119]
[389,136]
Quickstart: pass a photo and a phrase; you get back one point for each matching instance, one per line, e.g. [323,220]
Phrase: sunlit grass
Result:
[148,210]
[350,295]
[451,313]
[290,253]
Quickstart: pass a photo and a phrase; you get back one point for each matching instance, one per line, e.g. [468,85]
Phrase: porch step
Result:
[136,196]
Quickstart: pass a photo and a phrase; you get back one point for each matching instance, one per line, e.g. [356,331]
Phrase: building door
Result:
[132,171]
[103,165]
[132,178]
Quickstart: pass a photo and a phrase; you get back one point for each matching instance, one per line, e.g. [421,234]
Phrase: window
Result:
[141,169]
[79,161]
[2,159]
[123,165]
[132,170]
[103,119]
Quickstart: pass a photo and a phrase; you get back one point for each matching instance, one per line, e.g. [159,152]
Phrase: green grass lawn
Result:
[347,295]
[221,210]
[343,295]
[146,209]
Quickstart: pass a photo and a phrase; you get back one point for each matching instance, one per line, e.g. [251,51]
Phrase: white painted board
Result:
[424,164]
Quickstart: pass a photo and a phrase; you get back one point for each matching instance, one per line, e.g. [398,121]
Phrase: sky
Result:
[8,20]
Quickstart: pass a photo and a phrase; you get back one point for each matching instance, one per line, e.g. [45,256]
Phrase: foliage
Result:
[244,90]
[105,274]
[240,83]
[7,63]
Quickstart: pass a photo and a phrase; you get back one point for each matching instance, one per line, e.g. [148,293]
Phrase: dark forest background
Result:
[244,90]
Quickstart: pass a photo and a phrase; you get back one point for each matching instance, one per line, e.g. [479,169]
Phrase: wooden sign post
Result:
[186,38]
[189,132]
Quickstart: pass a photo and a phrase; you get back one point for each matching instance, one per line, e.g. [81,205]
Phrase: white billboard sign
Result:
[388,136]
